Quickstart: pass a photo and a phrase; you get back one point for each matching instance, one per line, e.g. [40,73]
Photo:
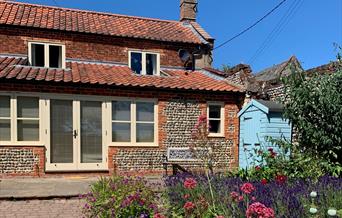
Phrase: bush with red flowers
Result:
[259,210]
[190,183]
[247,188]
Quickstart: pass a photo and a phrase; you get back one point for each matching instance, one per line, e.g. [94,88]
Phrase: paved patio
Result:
[63,208]
[44,188]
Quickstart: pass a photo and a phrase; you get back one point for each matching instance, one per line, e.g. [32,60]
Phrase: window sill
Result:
[22,144]
[123,145]
[216,136]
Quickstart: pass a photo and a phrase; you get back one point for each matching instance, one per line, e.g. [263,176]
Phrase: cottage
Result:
[84,91]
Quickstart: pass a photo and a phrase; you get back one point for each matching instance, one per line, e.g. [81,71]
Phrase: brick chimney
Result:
[188,10]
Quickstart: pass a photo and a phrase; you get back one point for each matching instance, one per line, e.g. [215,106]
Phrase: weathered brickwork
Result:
[18,161]
[89,47]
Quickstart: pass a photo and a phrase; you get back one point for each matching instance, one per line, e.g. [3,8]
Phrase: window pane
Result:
[136,62]
[38,55]
[121,110]
[214,126]
[214,111]
[61,131]
[5,130]
[55,56]
[145,111]
[28,107]
[151,64]
[5,106]
[121,132]
[28,130]
[145,132]
[91,132]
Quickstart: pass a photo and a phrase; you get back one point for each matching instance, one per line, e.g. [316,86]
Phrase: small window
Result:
[121,121]
[28,118]
[55,56]
[46,55]
[216,119]
[144,63]
[38,55]
[136,62]
[5,118]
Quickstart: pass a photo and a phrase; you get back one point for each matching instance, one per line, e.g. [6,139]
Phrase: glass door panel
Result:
[91,132]
[61,131]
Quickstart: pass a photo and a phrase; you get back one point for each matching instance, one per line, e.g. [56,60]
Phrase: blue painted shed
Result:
[260,119]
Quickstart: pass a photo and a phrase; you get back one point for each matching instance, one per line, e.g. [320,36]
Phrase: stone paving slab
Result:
[32,188]
[61,208]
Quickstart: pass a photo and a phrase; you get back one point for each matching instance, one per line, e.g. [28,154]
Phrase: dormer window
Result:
[46,55]
[144,63]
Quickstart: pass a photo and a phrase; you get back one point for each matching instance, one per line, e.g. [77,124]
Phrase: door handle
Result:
[75,133]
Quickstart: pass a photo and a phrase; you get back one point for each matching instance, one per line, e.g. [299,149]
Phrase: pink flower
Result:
[189,205]
[257,168]
[186,196]
[240,198]
[247,188]
[234,195]
[264,181]
[190,183]
[219,216]
[253,198]
[158,215]
[202,118]
[259,210]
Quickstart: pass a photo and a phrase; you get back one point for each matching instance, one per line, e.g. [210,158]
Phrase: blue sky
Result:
[305,28]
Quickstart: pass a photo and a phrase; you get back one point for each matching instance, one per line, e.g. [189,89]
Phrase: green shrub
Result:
[120,197]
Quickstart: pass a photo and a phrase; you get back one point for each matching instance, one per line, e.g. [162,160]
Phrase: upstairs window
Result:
[144,63]
[215,112]
[46,55]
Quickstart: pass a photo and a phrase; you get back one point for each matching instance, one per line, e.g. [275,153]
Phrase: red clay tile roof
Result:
[46,17]
[105,74]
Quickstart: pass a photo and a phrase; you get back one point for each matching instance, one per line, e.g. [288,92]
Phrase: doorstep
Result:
[44,188]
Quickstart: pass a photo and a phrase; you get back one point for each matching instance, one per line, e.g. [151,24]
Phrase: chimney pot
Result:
[188,10]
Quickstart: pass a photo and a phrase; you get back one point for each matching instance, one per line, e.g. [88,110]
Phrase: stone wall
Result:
[276,93]
[23,161]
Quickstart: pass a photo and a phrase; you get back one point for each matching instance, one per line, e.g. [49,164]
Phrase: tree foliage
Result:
[314,106]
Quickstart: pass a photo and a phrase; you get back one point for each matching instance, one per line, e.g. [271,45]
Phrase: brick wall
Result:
[178,112]
[13,40]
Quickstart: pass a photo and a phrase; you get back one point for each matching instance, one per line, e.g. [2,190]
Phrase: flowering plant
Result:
[120,197]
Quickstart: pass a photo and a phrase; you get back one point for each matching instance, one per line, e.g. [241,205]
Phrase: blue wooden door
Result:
[250,128]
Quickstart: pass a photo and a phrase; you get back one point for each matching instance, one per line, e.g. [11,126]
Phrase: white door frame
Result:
[77,165]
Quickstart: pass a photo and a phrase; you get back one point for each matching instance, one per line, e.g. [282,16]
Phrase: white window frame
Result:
[14,121]
[143,60]
[134,122]
[222,118]
[46,52]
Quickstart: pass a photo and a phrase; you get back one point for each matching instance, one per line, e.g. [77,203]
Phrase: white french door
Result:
[75,135]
